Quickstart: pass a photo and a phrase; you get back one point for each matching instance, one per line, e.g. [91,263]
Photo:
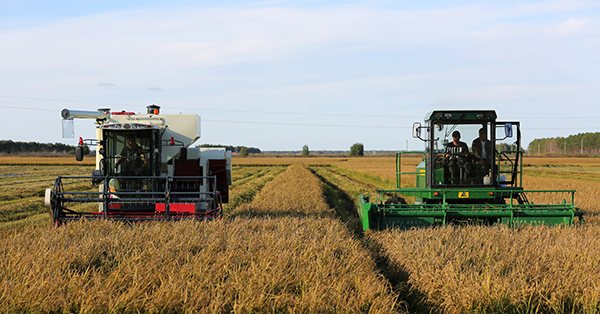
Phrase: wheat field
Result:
[290,242]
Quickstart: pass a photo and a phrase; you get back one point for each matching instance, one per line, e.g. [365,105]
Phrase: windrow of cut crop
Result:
[243,190]
[295,192]
[298,193]
[243,173]
[481,269]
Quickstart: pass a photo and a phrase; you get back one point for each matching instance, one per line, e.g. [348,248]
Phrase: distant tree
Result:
[305,151]
[243,152]
[357,149]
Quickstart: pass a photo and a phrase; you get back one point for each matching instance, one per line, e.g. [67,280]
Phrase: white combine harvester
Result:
[145,170]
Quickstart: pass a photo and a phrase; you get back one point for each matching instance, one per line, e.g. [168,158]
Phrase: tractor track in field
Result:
[364,183]
[351,178]
[337,198]
[340,199]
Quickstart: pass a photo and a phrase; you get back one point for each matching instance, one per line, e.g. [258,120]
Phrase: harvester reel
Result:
[395,200]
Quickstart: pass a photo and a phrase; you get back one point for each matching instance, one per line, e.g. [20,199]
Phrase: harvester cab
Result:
[461,146]
[145,170]
[471,172]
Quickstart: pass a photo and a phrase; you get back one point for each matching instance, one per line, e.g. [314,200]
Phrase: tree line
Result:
[11,147]
[582,143]
[241,150]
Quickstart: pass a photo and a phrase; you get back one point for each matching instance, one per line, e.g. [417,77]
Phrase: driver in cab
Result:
[455,149]
[132,157]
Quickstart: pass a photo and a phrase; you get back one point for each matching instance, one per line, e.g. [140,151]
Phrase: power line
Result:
[305,95]
[208,109]
[356,126]
[309,124]
[270,112]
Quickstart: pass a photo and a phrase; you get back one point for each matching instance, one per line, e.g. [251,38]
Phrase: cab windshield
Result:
[463,154]
[128,153]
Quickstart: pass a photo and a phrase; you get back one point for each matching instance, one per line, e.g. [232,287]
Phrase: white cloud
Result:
[574,25]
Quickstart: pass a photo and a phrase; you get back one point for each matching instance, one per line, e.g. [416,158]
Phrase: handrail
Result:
[514,171]
[399,166]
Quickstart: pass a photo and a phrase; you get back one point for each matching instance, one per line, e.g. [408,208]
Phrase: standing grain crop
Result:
[292,255]
[482,269]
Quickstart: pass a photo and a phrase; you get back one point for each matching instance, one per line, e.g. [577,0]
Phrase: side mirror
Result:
[508,130]
[416,130]
[79,153]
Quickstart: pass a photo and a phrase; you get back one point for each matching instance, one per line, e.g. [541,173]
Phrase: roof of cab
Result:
[461,115]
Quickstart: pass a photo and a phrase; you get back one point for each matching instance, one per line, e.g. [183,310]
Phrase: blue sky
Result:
[281,74]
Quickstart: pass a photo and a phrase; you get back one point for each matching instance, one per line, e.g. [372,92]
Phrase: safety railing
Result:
[516,173]
[399,172]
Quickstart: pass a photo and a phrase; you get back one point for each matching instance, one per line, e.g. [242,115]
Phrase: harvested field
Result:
[22,191]
[62,160]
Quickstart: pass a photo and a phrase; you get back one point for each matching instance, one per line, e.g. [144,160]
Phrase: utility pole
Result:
[565,149]
[581,145]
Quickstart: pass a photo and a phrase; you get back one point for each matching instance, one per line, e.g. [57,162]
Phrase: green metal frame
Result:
[399,173]
[519,172]
[377,215]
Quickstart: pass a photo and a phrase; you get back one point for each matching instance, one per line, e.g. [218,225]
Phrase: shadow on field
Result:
[343,204]
[395,274]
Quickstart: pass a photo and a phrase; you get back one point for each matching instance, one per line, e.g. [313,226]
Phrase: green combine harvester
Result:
[471,172]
